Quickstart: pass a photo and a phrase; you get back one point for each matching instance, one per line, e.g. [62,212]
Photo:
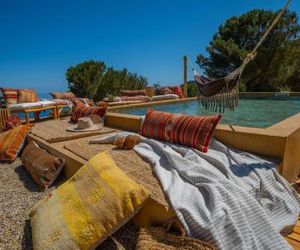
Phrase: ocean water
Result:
[251,112]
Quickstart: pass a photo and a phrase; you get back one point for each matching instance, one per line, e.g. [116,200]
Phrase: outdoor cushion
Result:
[89,207]
[140,98]
[30,105]
[192,131]
[84,111]
[42,166]
[10,95]
[165,91]
[12,122]
[27,95]
[62,95]
[25,105]
[133,92]
[12,141]
[164,97]
[177,91]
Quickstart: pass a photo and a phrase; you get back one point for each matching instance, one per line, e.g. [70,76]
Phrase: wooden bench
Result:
[36,111]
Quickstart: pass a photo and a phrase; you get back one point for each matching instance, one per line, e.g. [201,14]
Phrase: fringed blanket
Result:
[232,199]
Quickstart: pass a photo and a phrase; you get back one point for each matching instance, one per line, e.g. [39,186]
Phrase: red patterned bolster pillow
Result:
[83,111]
[191,131]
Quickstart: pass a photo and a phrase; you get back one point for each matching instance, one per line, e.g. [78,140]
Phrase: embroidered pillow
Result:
[43,167]
[12,122]
[84,211]
[10,95]
[84,111]
[191,131]
[12,141]
[27,95]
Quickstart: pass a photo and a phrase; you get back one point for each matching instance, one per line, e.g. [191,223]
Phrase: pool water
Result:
[251,112]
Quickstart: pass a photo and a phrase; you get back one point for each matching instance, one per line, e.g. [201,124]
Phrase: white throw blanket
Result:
[232,199]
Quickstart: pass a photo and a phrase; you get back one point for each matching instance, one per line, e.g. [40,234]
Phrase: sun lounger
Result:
[36,108]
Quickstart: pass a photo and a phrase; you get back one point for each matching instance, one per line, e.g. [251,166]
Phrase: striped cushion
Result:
[12,142]
[83,111]
[10,95]
[192,131]
[27,95]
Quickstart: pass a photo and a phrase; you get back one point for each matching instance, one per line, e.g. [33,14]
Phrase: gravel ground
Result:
[18,195]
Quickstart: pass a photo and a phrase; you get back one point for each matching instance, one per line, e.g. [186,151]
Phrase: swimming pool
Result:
[251,112]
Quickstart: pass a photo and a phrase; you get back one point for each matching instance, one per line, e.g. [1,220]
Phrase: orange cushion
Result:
[84,111]
[63,95]
[27,95]
[191,131]
[12,141]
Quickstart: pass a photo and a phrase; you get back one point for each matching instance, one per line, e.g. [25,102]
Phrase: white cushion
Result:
[29,105]
[164,97]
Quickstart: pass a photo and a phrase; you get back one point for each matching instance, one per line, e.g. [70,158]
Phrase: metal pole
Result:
[185,76]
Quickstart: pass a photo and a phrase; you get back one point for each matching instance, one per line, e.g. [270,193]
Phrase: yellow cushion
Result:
[86,209]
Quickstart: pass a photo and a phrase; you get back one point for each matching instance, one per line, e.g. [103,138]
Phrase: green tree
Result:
[191,88]
[94,80]
[275,62]
[83,78]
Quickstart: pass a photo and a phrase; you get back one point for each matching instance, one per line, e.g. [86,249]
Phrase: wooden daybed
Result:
[37,110]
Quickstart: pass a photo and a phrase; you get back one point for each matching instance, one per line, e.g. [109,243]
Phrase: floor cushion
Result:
[12,142]
[27,95]
[10,95]
[191,131]
[43,167]
[92,205]
[84,111]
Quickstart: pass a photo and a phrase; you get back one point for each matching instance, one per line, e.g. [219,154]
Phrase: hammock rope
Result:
[223,93]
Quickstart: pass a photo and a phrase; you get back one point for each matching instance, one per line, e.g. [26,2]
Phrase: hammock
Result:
[220,94]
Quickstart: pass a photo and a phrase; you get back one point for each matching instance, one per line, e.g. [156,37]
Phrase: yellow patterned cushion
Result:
[89,207]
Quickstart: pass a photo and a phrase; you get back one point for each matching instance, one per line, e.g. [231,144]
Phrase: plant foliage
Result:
[277,62]
[93,79]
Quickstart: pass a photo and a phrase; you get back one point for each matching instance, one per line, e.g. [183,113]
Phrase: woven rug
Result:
[55,131]
[128,160]
[124,238]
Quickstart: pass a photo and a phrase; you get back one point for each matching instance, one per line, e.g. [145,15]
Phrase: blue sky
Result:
[39,40]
